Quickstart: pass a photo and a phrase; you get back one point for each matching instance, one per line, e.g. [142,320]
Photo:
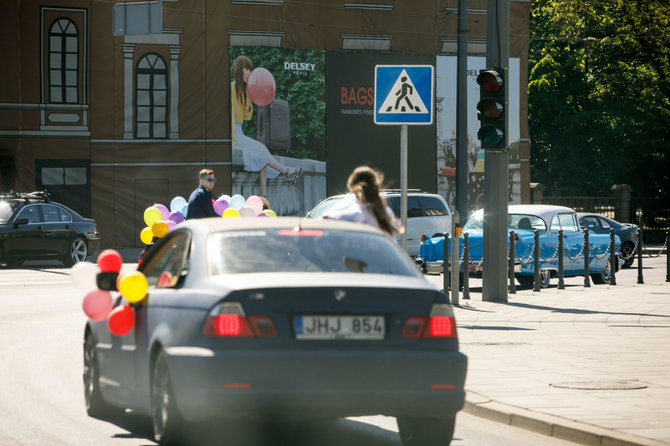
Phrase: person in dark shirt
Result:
[200,201]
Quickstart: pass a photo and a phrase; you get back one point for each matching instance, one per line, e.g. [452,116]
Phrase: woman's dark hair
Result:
[365,182]
[241,63]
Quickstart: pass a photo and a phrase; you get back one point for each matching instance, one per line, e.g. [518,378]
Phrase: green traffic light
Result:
[490,135]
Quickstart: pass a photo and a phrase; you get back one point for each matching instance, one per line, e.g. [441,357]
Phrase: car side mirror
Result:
[107,281]
[20,221]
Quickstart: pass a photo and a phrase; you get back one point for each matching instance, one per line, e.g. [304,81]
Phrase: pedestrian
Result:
[255,155]
[200,202]
[369,207]
[266,203]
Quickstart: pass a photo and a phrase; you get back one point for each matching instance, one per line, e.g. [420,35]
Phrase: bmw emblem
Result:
[340,294]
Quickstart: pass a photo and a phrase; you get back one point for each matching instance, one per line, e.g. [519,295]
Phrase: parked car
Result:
[426,214]
[524,220]
[32,227]
[288,317]
[627,232]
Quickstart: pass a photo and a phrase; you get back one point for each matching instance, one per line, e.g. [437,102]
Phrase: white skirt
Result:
[255,155]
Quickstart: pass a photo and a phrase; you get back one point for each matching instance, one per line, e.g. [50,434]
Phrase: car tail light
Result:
[96,229]
[229,320]
[439,324]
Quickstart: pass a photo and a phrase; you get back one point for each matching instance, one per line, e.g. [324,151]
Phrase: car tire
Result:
[77,251]
[605,277]
[628,254]
[545,278]
[96,406]
[168,423]
[415,431]
[526,282]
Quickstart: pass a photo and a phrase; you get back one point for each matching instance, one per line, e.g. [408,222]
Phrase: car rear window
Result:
[331,205]
[433,206]
[258,251]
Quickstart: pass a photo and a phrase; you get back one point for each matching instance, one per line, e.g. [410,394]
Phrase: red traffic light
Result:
[490,81]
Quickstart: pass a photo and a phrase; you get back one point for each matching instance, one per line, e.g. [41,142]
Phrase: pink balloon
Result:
[171,224]
[121,320]
[220,205]
[255,203]
[97,305]
[165,212]
[261,87]
[176,216]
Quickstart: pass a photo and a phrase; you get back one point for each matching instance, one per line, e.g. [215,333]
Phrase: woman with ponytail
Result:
[369,207]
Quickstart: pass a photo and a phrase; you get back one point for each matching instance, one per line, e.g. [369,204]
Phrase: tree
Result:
[599,95]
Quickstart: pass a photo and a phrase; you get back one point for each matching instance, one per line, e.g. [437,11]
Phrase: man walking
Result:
[200,201]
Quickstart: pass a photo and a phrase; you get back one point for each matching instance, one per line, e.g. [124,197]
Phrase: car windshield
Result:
[6,212]
[514,222]
[330,205]
[288,250]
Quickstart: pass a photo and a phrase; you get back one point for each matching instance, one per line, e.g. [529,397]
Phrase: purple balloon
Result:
[220,205]
[165,212]
[176,216]
[171,224]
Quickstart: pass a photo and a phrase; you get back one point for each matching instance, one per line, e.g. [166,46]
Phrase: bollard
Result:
[612,257]
[536,260]
[445,264]
[640,241]
[587,255]
[454,260]
[561,282]
[667,258]
[510,263]
[466,266]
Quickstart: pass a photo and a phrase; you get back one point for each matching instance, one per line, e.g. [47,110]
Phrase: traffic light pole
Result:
[462,114]
[494,286]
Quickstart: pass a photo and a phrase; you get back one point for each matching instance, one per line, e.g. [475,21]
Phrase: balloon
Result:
[261,87]
[177,203]
[146,235]
[247,211]
[176,216]
[121,320]
[151,215]
[170,224]
[84,275]
[221,205]
[237,201]
[262,215]
[224,197]
[110,261]
[269,212]
[255,203]
[133,286]
[118,279]
[230,212]
[97,305]
[165,212]
[184,210]
[160,228]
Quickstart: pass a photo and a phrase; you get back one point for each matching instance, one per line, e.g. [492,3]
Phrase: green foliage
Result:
[599,95]
[305,92]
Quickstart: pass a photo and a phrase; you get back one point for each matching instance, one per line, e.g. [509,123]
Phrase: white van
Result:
[426,214]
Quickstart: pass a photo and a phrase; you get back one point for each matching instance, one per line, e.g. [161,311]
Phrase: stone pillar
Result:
[128,77]
[536,192]
[622,196]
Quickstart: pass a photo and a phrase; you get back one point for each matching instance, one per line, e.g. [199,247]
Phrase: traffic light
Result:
[491,109]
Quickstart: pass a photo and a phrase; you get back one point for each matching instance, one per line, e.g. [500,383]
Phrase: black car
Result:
[627,232]
[32,227]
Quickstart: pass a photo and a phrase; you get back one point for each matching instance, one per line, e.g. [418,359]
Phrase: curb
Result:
[551,425]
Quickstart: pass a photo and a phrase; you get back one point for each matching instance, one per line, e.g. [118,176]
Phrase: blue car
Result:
[524,220]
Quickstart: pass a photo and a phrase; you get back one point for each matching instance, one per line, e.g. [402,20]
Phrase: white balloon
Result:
[247,211]
[84,275]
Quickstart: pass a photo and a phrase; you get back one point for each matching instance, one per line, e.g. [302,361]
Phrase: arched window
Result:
[151,97]
[63,62]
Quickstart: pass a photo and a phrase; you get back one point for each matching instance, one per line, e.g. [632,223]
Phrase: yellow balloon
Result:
[230,212]
[269,212]
[160,228]
[133,286]
[146,235]
[152,215]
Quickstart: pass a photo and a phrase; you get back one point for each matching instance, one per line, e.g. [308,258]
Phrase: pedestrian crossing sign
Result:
[404,94]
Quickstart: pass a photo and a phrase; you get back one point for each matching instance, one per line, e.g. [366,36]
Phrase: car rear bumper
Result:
[315,384]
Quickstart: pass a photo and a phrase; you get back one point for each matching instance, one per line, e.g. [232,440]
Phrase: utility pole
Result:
[494,287]
[462,114]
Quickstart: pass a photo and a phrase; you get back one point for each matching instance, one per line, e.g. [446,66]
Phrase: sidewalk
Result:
[589,365]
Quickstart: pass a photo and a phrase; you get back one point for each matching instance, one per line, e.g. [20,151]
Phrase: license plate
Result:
[339,327]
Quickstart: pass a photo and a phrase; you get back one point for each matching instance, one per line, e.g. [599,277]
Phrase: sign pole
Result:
[403,183]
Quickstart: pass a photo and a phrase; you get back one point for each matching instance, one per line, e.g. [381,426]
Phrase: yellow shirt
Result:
[239,112]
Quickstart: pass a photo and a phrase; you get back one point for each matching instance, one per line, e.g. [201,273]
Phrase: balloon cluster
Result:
[237,206]
[160,220]
[98,304]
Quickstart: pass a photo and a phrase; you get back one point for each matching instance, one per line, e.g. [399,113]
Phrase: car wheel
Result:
[545,277]
[95,405]
[167,420]
[526,282]
[426,431]
[605,277]
[628,254]
[77,252]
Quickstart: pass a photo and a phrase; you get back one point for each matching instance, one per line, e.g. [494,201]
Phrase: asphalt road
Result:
[41,390]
